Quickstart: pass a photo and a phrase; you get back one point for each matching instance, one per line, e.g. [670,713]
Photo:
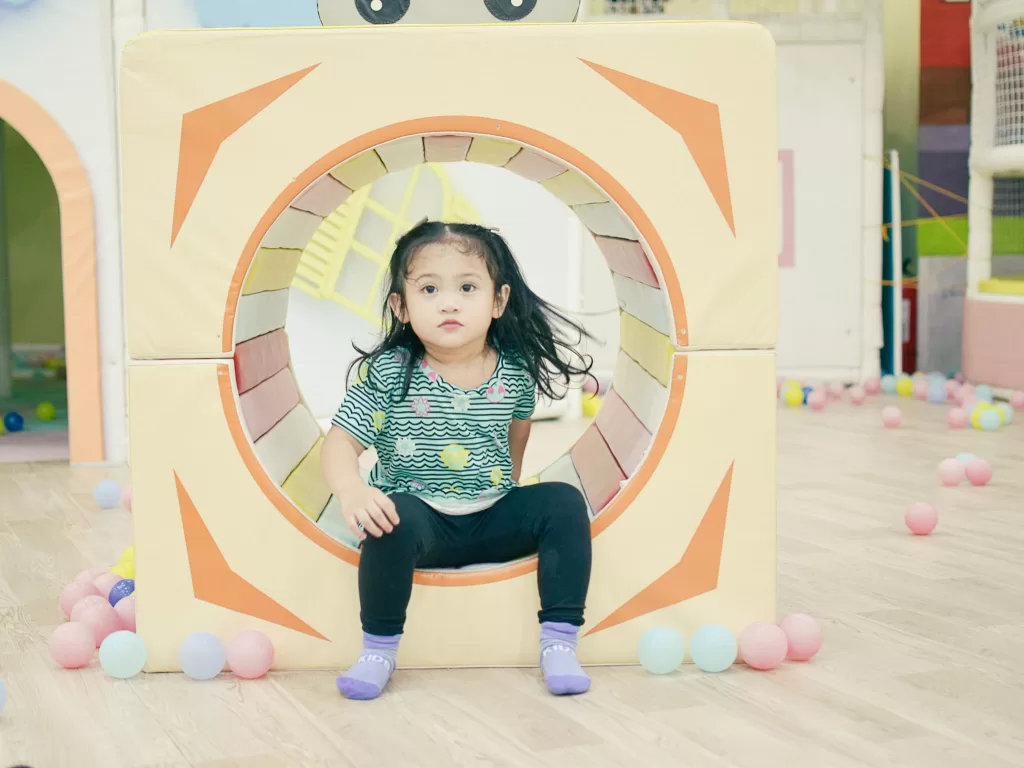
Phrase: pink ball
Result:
[86,604]
[88,576]
[952,387]
[921,518]
[72,645]
[250,655]
[105,582]
[873,386]
[763,645]
[125,610]
[835,390]
[816,400]
[921,389]
[979,471]
[74,593]
[956,418]
[99,617]
[891,416]
[857,395]
[951,472]
[803,636]
[1017,399]
[966,391]
[126,498]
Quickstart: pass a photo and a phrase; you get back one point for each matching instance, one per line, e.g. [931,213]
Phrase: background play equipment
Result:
[225,473]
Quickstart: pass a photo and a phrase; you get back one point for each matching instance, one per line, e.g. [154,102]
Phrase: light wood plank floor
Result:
[923,663]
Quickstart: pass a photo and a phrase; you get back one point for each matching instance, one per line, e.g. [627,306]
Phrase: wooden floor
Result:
[923,663]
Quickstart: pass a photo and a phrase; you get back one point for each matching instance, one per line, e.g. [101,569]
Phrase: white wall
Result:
[59,52]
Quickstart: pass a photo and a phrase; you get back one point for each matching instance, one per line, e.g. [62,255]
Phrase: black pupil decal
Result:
[510,10]
[383,11]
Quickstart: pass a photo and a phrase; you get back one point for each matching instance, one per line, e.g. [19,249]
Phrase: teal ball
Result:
[661,650]
[889,384]
[123,654]
[713,648]
[1007,410]
[990,420]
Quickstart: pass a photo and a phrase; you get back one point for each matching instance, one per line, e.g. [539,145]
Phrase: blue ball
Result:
[889,384]
[121,590]
[1007,410]
[202,656]
[966,458]
[661,650]
[713,648]
[937,392]
[983,392]
[806,391]
[990,420]
[3,695]
[122,654]
[107,494]
[13,422]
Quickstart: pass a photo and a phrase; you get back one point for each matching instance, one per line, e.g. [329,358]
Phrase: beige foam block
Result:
[293,229]
[265,405]
[360,171]
[260,313]
[446,149]
[323,196]
[401,154]
[572,188]
[563,471]
[605,219]
[282,448]
[647,304]
[628,257]
[492,151]
[260,358]
[306,486]
[272,270]
[534,166]
[645,395]
[652,350]
[623,432]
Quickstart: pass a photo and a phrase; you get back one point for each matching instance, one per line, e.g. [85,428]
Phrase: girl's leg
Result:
[386,568]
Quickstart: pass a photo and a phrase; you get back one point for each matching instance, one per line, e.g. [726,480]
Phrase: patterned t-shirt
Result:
[440,442]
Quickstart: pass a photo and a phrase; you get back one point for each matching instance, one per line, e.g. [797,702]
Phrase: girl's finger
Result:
[366,518]
[353,525]
[388,506]
[381,519]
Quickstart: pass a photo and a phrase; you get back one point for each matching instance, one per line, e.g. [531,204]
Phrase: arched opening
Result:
[78,268]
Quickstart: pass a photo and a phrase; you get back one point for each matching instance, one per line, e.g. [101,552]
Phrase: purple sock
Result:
[372,670]
[562,671]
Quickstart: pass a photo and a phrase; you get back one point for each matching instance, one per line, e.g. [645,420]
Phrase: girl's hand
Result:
[367,509]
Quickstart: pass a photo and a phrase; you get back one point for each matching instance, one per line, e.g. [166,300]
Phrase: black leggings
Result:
[549,519]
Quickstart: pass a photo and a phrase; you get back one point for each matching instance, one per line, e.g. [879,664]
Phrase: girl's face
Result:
[450,299]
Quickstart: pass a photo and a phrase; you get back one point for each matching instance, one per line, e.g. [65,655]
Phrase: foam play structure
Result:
[660,136]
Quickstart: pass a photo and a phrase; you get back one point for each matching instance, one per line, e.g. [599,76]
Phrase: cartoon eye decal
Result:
[384,11]
[510,10]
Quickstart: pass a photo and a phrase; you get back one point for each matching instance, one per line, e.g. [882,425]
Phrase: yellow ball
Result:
[128,556]
[905,386]
[792,383]
[124,570]
[793,396]
[46,411]
[591,405]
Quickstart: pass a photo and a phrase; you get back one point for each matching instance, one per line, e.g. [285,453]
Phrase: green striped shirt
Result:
[440,442]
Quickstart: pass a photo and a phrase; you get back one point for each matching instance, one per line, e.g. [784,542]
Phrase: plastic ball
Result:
[100,617]
[1007,410]
[713,648]
[72,645]
[888,384]
[956,418]
[46,412]
[86,604]
[803,636]
[123,654]
[3,695]
[120,591]
[106,581]
[937,394]
[202,656]
[873,386]
[965,392]
[128,555]
[975,412]
[250,655]
[107,494]
[904,386]
[817,399]
[921,518]
[920,390]
[990,419]
[13,422]
[1017,399]
[125,610]
[89,575]
[792,383]
[126,498]
[965,458]
[73,594]
[661,650]
[126,570]
[891,417]
[857,395]
[984,393]
[591,405]
[979,472]
[835,390]
[763,646]
[793,396]
[951,472]
[952,387]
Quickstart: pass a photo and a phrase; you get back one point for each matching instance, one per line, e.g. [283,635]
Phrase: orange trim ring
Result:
[78,267]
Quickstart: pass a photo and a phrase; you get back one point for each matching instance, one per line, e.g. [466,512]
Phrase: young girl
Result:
[446,399]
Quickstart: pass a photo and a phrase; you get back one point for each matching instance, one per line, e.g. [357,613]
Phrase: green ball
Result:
[713,648]
[661,650]
[123,654]
[46,411]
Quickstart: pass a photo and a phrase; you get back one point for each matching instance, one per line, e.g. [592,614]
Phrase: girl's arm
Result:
[518,435]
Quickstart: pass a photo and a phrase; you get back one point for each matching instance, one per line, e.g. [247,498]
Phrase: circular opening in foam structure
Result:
[612,459]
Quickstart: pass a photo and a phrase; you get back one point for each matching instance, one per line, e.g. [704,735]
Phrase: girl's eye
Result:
[468,288]
[428,289]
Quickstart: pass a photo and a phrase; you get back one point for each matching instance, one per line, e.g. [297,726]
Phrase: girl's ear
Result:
[396,306]
[501,300]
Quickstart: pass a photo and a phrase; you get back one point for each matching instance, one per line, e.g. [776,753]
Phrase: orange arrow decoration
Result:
[214,582]
[694,574]
[696,120]
[203,130]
